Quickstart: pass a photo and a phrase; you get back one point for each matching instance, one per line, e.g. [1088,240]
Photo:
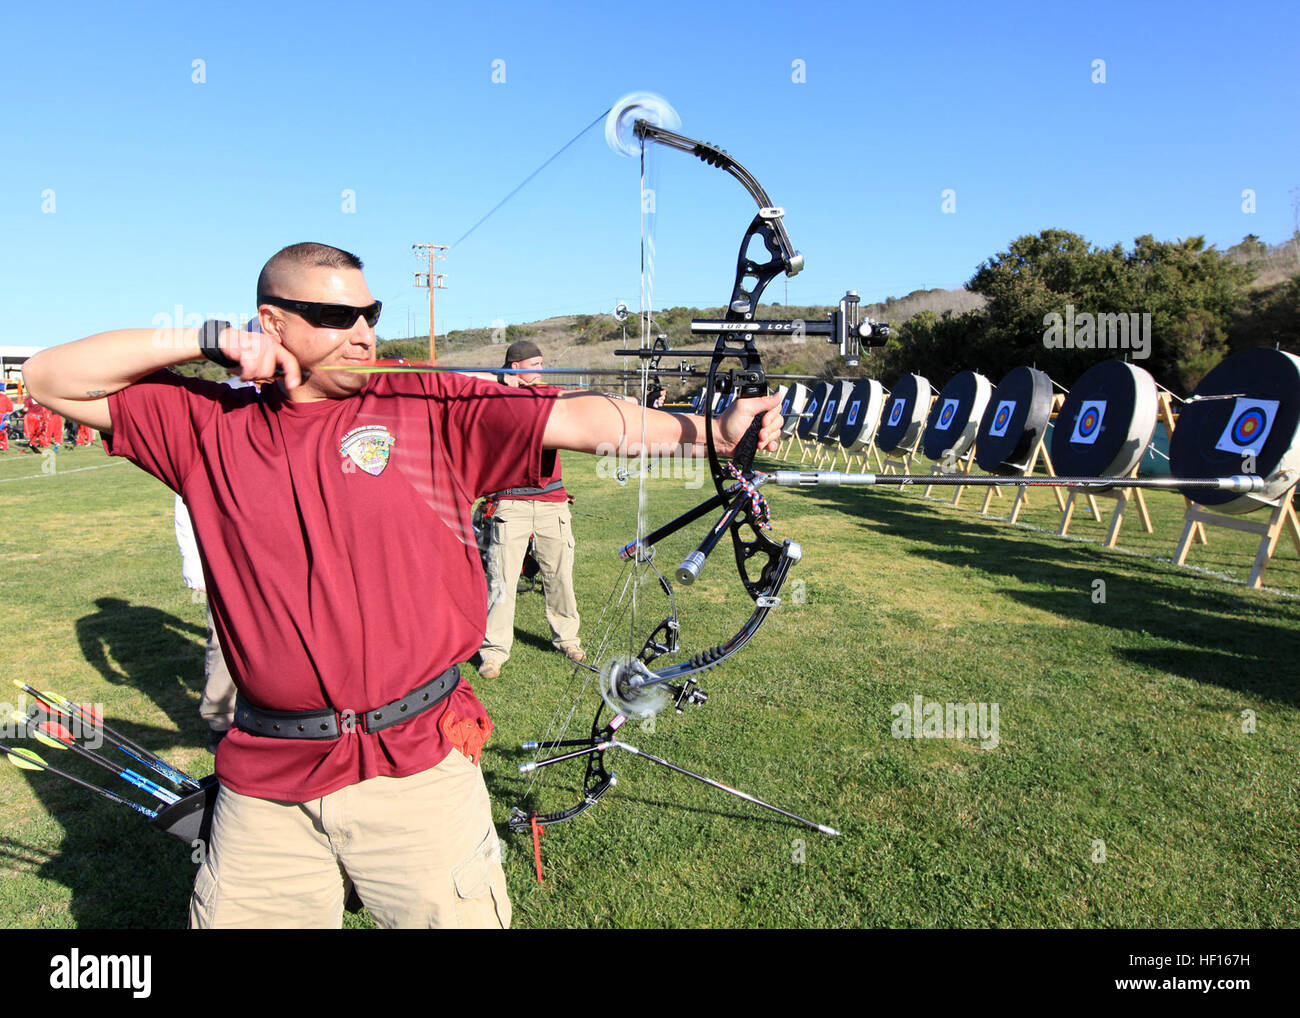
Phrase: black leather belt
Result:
[328,724]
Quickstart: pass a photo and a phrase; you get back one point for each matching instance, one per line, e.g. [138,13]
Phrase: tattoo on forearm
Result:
[96,393]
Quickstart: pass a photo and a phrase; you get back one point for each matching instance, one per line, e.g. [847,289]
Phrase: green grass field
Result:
[1126,788]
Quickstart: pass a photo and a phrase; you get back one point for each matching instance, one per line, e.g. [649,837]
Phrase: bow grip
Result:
[743,457]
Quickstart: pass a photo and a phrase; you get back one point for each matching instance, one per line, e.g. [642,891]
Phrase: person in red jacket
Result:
[35,424]
[6,408]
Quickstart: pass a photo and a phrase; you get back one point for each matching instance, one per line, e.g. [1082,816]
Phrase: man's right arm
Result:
[75,379]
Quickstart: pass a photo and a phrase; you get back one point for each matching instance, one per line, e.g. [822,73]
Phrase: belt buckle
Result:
[349,721]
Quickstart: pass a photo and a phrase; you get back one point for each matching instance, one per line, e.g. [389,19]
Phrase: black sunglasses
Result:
[327,316]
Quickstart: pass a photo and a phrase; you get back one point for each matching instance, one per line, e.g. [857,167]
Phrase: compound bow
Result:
[632,686]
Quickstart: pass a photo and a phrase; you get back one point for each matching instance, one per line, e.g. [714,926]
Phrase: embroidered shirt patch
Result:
[368,447]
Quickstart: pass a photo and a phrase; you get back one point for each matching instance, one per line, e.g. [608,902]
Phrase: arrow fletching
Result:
[25,759]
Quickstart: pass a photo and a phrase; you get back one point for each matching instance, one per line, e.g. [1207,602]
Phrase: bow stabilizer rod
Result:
[834,478]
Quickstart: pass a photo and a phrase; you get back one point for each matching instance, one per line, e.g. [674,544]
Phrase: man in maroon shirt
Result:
[353,760]
[516,516]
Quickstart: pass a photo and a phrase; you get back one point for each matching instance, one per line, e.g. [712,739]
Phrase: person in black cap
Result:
[515,516]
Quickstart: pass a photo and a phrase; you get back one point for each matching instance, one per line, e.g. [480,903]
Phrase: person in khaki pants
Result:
[353,759]
[518,514]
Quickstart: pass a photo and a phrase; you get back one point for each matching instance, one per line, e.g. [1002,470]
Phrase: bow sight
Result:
[845,328]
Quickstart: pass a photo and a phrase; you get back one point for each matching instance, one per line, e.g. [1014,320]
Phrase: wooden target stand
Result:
[1281,519]
[1022,495]
[1196,518]
[865,456]
[1040,453]
[1164,415]
[1122,497]
[963,467]
[904,465]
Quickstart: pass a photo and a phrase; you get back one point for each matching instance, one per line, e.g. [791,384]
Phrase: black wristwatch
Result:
[209,335]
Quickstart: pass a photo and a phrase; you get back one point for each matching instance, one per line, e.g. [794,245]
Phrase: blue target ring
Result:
[1249,425]
[1088,423]
[1004,415]
[946,417]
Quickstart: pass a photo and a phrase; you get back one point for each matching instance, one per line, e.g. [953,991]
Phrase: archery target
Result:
[956,415]
[1106,423]
[828,428]
[862,415]
[1259,418]
[1001,418]
[796,398]
[1087,426]
[1014,422]
[812,411]
[1248,427]
[905,417]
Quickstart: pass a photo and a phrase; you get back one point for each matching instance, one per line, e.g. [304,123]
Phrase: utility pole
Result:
[432,280]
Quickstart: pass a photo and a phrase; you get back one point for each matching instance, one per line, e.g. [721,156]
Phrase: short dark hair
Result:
[301,256]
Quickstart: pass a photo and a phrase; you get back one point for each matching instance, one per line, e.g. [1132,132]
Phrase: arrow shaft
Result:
[129,776]
[64,707]
[112,796]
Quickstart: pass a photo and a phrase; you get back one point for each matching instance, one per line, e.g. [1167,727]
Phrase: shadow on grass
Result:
[120,872]
[1234,640]
[149,650]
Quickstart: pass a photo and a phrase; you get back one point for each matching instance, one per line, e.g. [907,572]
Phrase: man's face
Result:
[533,363]
[318,348]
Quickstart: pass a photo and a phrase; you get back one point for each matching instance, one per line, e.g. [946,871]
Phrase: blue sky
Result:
[167,192]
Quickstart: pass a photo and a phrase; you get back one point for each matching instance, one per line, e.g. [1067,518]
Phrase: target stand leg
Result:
[1283,518]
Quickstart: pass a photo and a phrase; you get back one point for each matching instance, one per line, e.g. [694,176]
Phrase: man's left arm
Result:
[591,422]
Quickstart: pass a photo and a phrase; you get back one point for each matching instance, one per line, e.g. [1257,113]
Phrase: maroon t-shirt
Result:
[340,562]
[559,494]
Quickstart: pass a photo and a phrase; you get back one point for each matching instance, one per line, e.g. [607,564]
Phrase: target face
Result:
[862,406]
[1248,427]
[1014,422]
[1252,428]
[812,411]
[905,421]
[1002,417]
[1087,426]
[795,399]
[829,415]
[955,416]
[1106,422]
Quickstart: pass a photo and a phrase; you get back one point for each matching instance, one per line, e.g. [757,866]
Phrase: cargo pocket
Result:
[203,900]
[481,901]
